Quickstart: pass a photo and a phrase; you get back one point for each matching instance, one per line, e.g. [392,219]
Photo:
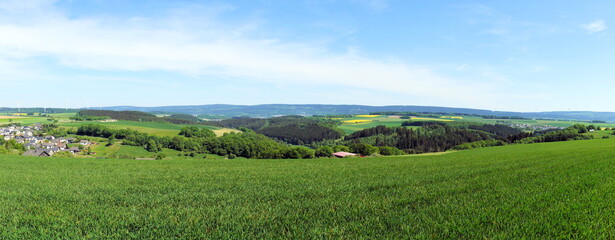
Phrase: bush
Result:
[341,148]
[363,149]
[389,151]
[324,151]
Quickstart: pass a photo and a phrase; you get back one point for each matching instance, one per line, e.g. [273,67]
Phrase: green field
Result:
[154,128]
[349,128]
[23,120]
[539,191]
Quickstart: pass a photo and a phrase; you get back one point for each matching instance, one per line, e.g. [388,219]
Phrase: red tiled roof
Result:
[343,154]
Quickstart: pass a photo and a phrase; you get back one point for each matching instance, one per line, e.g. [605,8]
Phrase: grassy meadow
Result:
[539,191]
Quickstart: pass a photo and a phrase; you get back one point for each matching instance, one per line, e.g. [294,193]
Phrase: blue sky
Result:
[498,55]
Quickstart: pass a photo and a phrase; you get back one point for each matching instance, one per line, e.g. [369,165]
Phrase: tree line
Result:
[132,116]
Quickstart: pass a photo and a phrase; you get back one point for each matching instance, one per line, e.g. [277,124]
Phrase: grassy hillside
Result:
[539,191]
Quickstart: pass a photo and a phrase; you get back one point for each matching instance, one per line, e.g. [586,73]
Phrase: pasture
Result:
[539,191]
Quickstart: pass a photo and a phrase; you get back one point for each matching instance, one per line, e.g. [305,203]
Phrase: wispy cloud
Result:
[595,26]
[214,48]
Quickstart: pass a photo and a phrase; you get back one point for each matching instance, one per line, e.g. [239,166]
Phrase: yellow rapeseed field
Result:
[368,116]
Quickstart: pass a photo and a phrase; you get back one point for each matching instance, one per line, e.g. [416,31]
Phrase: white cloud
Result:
[595,26]
[212,48]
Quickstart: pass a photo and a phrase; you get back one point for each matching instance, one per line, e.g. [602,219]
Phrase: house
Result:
[74,150]
[47,145]
[343,154]
[37,153]
[84,142]
[61,146]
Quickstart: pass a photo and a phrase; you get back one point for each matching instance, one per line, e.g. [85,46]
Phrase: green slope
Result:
[540,191]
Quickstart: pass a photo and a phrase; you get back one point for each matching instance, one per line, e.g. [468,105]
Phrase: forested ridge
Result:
[296,130]
[137,116]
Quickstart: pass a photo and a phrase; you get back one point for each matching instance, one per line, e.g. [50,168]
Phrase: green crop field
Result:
[154,128]
[4,120]
[350,125]
[540,191]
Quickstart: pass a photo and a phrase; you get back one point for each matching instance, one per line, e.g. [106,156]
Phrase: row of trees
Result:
[132,116]
[88,118]
[193,131]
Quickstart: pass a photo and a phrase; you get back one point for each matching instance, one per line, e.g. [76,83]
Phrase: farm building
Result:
[343,154]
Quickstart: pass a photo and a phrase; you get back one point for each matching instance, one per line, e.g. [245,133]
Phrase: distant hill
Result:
[268,110]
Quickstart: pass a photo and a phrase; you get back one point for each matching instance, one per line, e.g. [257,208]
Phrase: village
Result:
[40,145]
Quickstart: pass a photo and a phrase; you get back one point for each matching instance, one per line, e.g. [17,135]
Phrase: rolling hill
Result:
[268,110]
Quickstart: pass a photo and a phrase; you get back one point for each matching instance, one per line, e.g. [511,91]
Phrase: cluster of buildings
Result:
[41,146]
[531,127]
